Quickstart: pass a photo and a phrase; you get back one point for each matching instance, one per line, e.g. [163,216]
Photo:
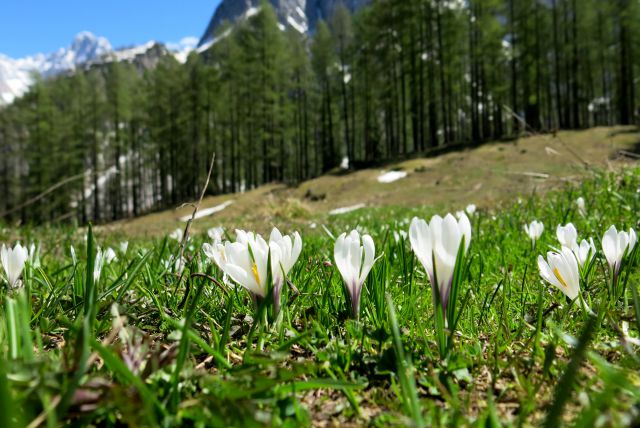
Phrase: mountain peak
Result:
[86,46]
[301,15]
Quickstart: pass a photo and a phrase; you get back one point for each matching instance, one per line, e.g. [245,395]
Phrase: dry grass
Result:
[484,175]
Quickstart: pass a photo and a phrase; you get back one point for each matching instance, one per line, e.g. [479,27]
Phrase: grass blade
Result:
[405,370]
[562,392]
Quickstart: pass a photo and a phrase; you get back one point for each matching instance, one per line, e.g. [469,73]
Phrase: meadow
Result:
[161,332]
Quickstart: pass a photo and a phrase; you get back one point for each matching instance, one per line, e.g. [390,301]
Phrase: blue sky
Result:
[33,26]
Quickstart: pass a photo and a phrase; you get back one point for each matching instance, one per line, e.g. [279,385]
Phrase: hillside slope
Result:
[486,176]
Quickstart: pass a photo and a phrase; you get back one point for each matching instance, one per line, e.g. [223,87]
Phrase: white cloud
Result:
[186,43]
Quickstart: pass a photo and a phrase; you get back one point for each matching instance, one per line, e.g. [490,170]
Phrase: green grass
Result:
[134,349]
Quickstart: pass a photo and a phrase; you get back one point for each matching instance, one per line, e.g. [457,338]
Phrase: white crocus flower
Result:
[399,235]
[124,246]
[179,264]
[534,230]
[439,242]
[616,245]
[567,235]
[216,234]
[581,206]
[216,253]
[98,265]
[177,234]
[34,255]
[354,259]
[72,250]
[13,261]
[246,261]
[285,251]
[109,255]
[561,270]
[585,252]
[471,209]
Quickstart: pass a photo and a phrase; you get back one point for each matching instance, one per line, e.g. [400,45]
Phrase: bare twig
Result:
[39,420]
[212,279]
[187,229]
[296,292]
[293,287]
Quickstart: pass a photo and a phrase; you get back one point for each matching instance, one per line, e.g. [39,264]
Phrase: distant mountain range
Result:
[16,75]
[302,15]
[86,50]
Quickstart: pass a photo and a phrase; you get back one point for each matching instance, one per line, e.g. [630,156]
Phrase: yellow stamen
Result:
[557,274]
[254,268]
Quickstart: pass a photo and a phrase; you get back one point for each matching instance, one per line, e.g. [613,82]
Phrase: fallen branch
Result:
[629,154]
[42,195]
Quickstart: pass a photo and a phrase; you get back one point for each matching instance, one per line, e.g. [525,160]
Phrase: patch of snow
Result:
[252,11]
[348,209]
[213,41]
[207,211]
[345,163]
[454,4]
[391,176]
[129,54]
[300,28]
[182,49]
[206,45]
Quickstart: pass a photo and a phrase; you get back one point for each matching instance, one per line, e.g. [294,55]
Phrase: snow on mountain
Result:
[182,49]
[16,75]
[301,15]
[14,79]
[85,47]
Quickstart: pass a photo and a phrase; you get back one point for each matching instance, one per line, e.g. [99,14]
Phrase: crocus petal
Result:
[546,273]
[419,237]
[567,235]
[369,256]
[610,246]
[465,228]
[340,256]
